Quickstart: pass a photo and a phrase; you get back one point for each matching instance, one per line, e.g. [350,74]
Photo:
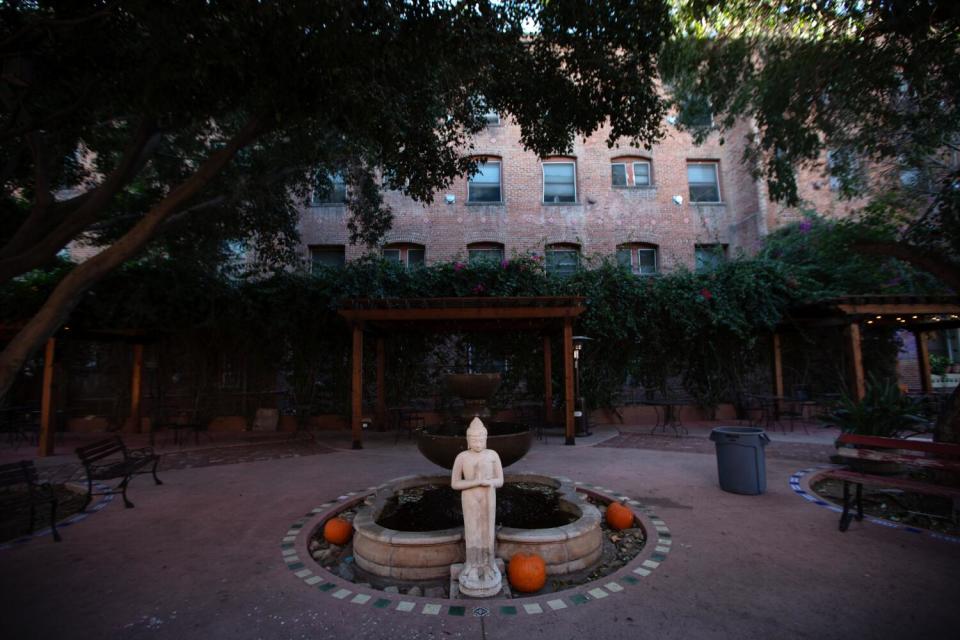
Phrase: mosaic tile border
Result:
[293,548]
[800,484]
[72,520]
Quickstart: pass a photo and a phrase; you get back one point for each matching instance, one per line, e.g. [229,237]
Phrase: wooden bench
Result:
[37,493]
[110,459]
[917,454]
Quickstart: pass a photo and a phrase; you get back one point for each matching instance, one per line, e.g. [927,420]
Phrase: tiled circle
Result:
[800,484]
[72,520]
[294,547]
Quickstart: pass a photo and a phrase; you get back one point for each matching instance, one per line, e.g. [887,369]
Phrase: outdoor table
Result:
[668,415]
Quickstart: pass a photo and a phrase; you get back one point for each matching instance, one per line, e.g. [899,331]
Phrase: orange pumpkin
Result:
[527,573]
[619,516]
[337,531]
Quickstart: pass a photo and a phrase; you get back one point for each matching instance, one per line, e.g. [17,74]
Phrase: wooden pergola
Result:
[444,315]
[917,314]
[137,338]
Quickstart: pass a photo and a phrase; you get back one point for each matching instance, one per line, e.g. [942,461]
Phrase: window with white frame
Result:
[641,259]
[331,191]
[709,256]
[562,259]
[484,185]
[406,254]
[485,252]
[627,173]
[559,182]
[492,118]
[326,257]
[704,182]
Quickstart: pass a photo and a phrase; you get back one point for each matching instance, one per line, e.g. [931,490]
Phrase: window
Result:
[492,118]
[559,182]
[695,112]
[408,255]
[704,185]
[326,257]
[641,259]
[709,256]
[333,193]
[846,174]
[484,185]
[563,260]
[485,252]
[630,174]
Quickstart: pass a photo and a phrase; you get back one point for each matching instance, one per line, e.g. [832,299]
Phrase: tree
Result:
[875,81]
[178,126]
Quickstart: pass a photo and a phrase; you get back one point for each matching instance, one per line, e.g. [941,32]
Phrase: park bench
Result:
[915,454]
[110,459]
[19,485]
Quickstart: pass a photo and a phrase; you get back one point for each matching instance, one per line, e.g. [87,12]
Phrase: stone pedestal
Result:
[456,594]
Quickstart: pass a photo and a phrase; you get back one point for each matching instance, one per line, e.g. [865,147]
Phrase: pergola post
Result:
[136,383]
[568,379]
[777,372]
[547,380]
[47,435]
[381,383]
[855,355]
[356,387]
[923,360]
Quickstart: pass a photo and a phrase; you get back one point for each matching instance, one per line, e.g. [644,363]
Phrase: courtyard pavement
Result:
[200,556]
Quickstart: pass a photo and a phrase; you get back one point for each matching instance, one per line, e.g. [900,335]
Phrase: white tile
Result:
[431,609]
[340,594]
[290,539]
[303,573]
[289,552]
[292,533]
[640,571]
[404,605]
[556,605]
[360,598]
[312,580]
[533,608]
[652,564]
[665,541]
[662,549]
[292,559]
[598,593]
[613,587]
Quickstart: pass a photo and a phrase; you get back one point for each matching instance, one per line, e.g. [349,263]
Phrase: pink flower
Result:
[479,289]
[706,294]
[458,266]
[504,263]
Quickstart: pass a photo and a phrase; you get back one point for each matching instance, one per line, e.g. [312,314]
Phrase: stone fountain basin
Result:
[473,386]
[427,555]
[511,441]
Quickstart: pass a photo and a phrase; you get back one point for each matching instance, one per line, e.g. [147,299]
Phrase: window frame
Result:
[561,247]
[315,202]
[490,160]
[630,173]
[489,122]
[716,181]
[403,250]
[717,249]
[635,248]
[329,249]
[476,248]
[543,186]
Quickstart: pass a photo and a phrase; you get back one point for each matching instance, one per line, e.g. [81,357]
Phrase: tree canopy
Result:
[179,126]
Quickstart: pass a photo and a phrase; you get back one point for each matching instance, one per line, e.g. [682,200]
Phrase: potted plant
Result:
[884,411]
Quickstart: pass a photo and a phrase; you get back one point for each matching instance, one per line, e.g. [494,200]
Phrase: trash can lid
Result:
[730,434]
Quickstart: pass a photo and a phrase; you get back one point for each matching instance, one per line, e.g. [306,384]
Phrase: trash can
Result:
[741,461]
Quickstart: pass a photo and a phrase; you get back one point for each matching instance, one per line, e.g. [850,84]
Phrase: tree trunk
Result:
[69,291]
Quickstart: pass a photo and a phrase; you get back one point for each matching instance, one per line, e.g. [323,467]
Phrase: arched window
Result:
[406,253]
[562,259]
[640,258]
[485,251]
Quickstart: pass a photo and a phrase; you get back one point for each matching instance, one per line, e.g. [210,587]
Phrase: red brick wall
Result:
[603,217]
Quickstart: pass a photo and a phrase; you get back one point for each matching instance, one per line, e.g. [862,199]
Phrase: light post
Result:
[579,406]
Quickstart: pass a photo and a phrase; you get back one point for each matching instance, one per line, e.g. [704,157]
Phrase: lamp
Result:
[579,407]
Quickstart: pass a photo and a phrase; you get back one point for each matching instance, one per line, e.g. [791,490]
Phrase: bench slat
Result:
[893,481]
[886,456]
[944,449]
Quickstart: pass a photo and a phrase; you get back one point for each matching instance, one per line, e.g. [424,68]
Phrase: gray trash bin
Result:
[740,459]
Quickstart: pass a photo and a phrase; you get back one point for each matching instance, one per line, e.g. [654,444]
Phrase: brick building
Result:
[671,205]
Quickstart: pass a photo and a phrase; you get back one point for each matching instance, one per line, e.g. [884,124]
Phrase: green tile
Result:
[659,557]
[381,603]
[296,525]
[630,580]
[296,566]
[579,598]
[326,586]
[664,534]
[456,611]
[508,611]
[286,545]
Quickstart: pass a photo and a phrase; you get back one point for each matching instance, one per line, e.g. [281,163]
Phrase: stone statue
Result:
[477,474]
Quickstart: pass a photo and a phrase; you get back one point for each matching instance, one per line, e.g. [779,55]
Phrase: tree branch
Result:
[930,261]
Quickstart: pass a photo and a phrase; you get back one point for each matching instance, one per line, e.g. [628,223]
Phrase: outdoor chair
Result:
[19,486]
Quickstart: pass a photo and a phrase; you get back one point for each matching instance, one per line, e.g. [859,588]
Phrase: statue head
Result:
[476,435]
